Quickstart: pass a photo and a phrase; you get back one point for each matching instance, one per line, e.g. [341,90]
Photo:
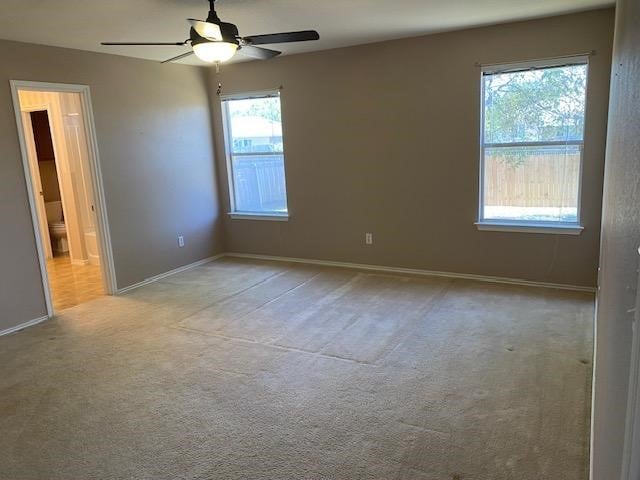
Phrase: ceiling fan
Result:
[215,41]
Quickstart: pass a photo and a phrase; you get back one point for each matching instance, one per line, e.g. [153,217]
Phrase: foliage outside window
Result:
[532,141]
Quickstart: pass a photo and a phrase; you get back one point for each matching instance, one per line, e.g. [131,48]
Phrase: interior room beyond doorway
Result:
[58,155]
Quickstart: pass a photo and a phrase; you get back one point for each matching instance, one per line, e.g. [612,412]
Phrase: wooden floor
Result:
[73,284]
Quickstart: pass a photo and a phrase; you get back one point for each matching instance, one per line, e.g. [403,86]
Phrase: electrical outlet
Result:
[368,238]
[180,241]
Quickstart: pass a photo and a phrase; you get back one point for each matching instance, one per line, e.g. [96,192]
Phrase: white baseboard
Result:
[155,278]
[419,272]
[122,290]
[30,323]
[329,263]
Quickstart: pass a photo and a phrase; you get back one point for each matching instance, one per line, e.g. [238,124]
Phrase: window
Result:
[532,139]
[255,155]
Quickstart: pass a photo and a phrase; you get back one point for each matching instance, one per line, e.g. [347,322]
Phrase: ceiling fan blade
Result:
[208,30]
[178,57]
[284,37]
[257,52]
[144,43]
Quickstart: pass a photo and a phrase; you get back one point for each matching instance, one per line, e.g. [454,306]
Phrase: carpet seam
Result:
[276,347]
[228,297]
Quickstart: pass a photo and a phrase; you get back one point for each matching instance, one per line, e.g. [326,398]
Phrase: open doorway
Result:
[62,171]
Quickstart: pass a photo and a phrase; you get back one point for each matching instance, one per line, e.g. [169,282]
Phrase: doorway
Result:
[62,173]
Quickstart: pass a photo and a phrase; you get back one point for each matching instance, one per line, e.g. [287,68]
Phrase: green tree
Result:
[268,108]
[534,105]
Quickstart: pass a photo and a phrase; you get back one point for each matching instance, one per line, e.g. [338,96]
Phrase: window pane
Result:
[259,183]
[537,184]
[535,105]
[254,130]
[255,125]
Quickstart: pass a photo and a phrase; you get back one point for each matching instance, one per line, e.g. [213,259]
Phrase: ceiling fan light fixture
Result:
[215,41]
[211,52]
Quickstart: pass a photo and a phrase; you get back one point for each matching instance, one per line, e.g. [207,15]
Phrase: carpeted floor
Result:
[254,370]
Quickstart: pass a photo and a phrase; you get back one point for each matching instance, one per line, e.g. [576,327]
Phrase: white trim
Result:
[551,62]
[102,225]
[36,180]
[413,271]
[555,143]
[584,138]
[276,217]
[273,92]
[481,150]
[328,263]
[32,200]
[256,154]
[581,59]
[228,152]
[557,229]
[24,325]
[160,276]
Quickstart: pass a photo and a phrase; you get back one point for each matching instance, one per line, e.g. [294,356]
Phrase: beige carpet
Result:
[255,370]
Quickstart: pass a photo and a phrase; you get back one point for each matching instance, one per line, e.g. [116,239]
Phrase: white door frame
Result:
[102,224]
[35,173]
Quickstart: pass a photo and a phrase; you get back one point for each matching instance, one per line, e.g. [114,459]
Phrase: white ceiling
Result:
[83,24]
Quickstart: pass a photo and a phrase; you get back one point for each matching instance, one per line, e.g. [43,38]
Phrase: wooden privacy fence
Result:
[259,183]
[544,180]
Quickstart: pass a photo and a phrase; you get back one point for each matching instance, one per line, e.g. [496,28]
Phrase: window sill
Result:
[559,229]
[276,217]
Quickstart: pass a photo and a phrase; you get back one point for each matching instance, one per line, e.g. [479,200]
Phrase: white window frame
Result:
[228,142]
[527,226]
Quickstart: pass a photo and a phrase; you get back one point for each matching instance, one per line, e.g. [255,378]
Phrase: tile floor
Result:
[73,284]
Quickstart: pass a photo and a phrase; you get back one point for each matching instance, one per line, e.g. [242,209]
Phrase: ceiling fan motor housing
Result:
[229,34]
[218,41]
[229,30]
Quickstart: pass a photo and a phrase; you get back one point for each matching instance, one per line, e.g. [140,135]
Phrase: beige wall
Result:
[154,137]
[380,138]
[384,138]
[618,299]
